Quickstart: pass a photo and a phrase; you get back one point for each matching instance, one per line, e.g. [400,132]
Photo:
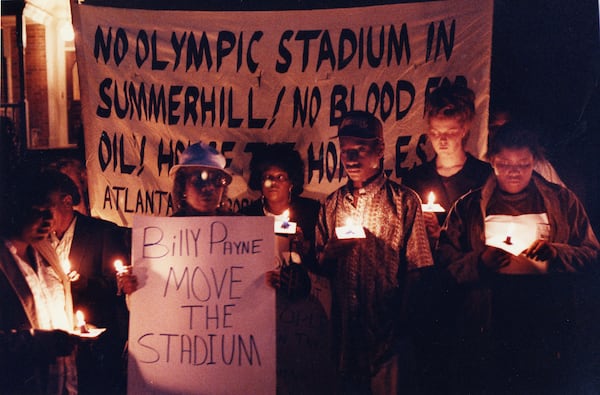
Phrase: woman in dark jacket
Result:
[278,172]
[514,248]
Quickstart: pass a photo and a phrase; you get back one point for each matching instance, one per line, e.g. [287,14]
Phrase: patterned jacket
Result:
[369,283]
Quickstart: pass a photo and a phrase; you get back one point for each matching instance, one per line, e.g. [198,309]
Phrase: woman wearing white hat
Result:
[200,182]
[198,189]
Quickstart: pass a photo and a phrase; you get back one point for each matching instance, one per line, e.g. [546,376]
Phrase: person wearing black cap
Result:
[371,276]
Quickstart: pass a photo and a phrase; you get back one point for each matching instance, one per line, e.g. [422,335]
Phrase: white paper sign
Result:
[515,233]
[203,318]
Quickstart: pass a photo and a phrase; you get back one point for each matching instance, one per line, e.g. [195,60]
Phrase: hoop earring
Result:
[182,202]
[224,205]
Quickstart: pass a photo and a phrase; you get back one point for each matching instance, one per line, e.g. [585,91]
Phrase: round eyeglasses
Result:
[269,179]
[205,178]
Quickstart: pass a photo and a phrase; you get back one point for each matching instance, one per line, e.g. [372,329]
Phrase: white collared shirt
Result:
[63,246]
[47,289]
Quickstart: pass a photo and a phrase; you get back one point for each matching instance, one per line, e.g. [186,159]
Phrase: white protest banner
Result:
[203,319]
[154,81]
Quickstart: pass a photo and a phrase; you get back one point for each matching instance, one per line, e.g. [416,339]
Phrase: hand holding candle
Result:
[513,234]
[494,258]
[284,225]
[126,282]
[337,248]
[432,206]
[120,268]
[432,225]
[541,250]
[350,230]
[66,267]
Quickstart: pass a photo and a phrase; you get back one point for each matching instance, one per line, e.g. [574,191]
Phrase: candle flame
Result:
[431,198]
[349,222]
[66,266]
[119,266]
[286,215]
[80,318]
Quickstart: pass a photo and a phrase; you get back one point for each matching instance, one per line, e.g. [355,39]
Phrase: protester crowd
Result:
[483,295]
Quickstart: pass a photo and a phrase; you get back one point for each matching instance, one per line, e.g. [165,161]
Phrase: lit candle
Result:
[350,230]
[119,267]
[432,206]
[286,219]
[431,199]
[121,270]
[81,322]
[284,225]
[509,232]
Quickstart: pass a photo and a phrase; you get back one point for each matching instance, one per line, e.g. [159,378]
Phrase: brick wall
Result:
[14,65]
[37,83]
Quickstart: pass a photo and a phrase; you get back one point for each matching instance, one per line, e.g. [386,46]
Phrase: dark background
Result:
[545,67]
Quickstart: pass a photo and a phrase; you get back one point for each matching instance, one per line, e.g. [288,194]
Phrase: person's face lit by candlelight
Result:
[446,135]
[204,190]
[276,187]
[513,168]
[361,158]
[200,181]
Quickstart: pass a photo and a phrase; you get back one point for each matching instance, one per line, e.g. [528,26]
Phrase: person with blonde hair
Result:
[453,171]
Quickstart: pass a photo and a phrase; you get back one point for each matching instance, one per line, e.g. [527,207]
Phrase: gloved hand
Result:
[493,258]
